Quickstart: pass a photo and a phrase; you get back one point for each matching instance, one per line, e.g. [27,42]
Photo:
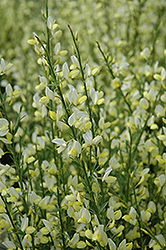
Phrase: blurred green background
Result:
[124,27]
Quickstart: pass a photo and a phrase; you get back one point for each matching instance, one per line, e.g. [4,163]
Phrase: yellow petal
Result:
[81,244]
[157,77]
[30,230]
[32,41]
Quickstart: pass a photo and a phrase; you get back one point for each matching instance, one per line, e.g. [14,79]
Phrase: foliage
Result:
[84,127]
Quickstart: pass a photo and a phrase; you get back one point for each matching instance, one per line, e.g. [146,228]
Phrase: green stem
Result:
[19,168]
[57,86]
[48,32]
[152,235]
[11,220]
[60,217]
[145,124]
[156,32]
[83,79]
[106,60]
[139,223]
[41,174]
[29,176]
[91,192]
[129,168]
[90,158]
[112,74]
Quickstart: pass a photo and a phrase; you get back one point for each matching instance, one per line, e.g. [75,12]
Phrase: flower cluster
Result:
[86,138]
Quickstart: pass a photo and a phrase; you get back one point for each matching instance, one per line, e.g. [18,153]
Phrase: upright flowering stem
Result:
[156,32]
[48,33]
[43,212]
[152,235]
[145,124]
[11,220]
[129,167]
[91,192]
[112,74]
[20,174]
[58,186]
[60,218]
[57,86]
[139,214]
[83,79]
[3,105]
[105,59]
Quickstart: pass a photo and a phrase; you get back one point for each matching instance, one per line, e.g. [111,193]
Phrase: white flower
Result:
[61,143]
[75,61]
[41,141]
[34,198]
[113,162]
[151,207]
[89,138]
[4,67]
[94,95]
[73,95]
[4,126]
[48,225]
[100,236]
[88,69]
[1,153]
[122,245]
[145,53]
[43,79]
[97,140]
[111,244]
[14,195]
[82,115]
[145,215]
[44,111]
[50,93]
[9,90]
[74,240]
[50,22]
[110,214]
[3,189]
[159,111]
[75,149]
[57,48]
[107,172]
[163,74]
[85,216]
[36,99]
[9,244]
[144,104]
[72,119]
[24,223]
[154,244]
[50,181]
[26,243]
[65,70]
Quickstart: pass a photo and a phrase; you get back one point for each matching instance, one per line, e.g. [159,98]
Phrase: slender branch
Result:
[48,32]
[106,60]
[12,222]
[112,74]
[56,83]
[61,221]
[83,79]
[129,167]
